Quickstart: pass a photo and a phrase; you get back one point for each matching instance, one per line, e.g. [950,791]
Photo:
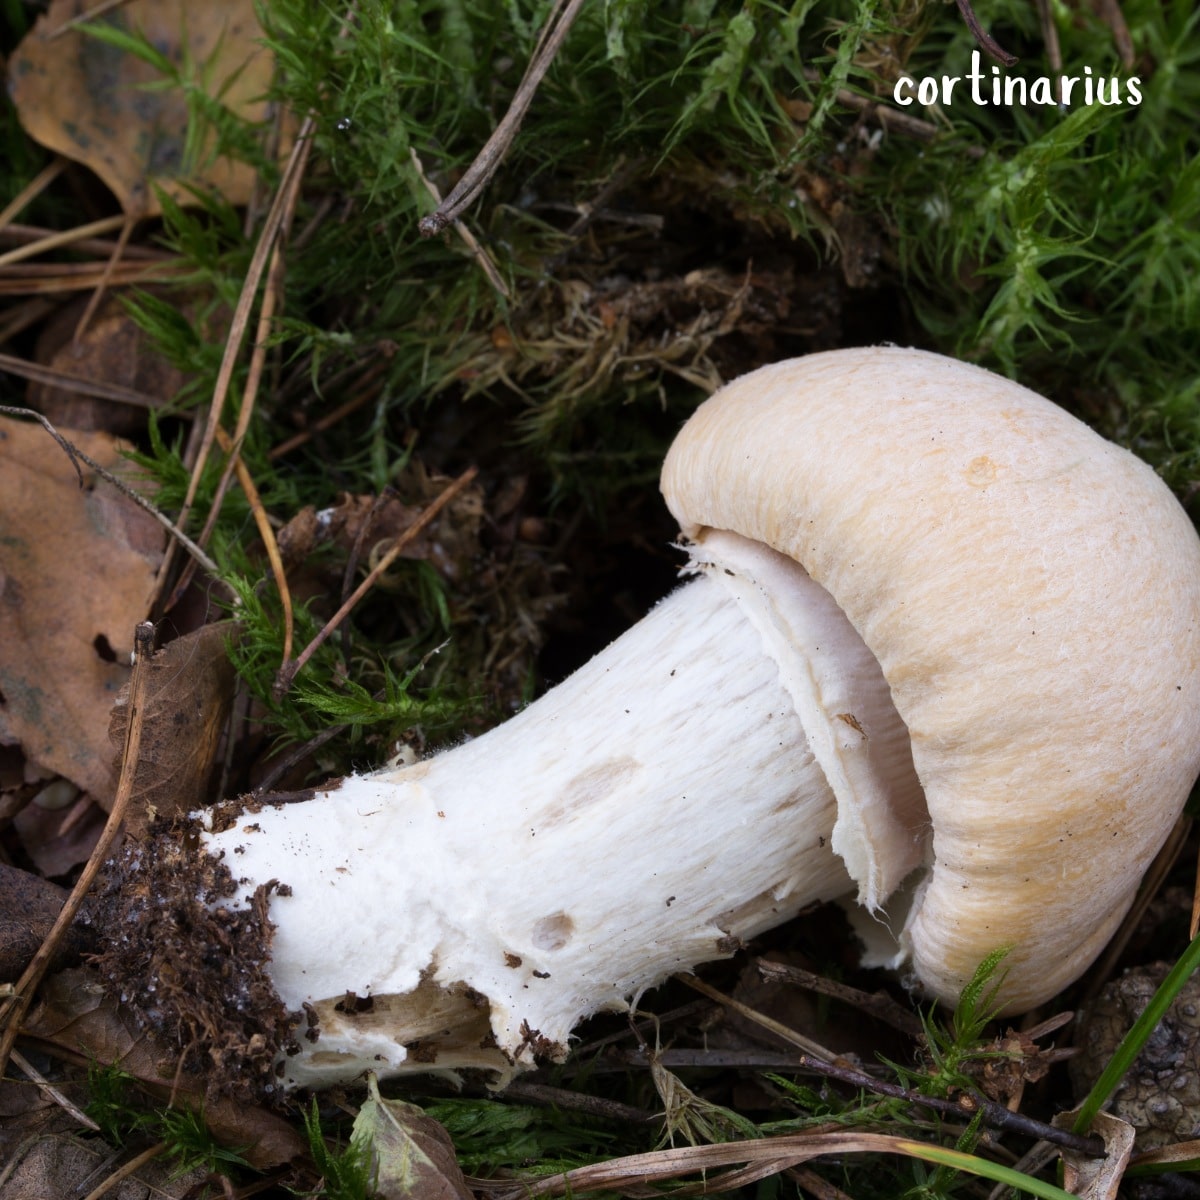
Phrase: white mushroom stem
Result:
[732,759]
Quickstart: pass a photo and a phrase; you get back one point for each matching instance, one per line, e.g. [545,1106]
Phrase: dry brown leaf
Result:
[189,692]
[100,106]
[28,907]
[1097,1178]
[111,349]
[76,574]
[62,1166]
[78,1015]
[58,840]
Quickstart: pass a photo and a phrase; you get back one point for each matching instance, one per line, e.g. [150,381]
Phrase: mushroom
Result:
[940,657]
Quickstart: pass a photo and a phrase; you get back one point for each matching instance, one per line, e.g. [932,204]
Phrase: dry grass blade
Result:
[775,1155]
[34,188]
[56,241]
[744,1010]
[263,524]
[14,1010]
[44,1085]
[45,279]
[123,1172]
[282,205]
[75,383]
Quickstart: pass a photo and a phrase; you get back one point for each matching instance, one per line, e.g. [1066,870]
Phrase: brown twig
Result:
[123,1172]
[487,161]
[49,279]
[21,235]
[878,1004]
[363,394]
[478,253]
[984,38]
[965,1107]
[50,1091]
[110,268]
[1050,41]
[288,671]
[14,1010]
[1110,13]
[744,1010]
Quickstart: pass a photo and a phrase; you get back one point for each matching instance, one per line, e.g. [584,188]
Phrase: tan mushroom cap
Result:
[1032,593]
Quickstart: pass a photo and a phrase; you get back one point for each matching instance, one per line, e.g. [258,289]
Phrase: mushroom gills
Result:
[648,814]
[882,832]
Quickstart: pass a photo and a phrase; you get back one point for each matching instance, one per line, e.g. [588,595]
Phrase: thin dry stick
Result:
[1110,13]
[34,188]
[109,268]
[292,174]
[488,160]
[481,256]
[744,1010]
[1050,41]
[984,38]
[17,234]
[364,394]
[54,378]
[812,1183]
[271,296]
[268,538]
[44,1085]
[878,1004]
[76,456]
[82,18]
[68,237]
[122,1173]
[288,671]
[51,279]
[14,1010]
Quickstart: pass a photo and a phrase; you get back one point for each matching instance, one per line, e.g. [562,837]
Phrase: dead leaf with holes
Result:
[77,570]
[100,104]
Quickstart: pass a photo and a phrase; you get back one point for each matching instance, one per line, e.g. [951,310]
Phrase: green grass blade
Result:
[1135,1039]
[973,1165]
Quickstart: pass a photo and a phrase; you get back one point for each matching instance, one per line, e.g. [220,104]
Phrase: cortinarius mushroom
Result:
[942,656]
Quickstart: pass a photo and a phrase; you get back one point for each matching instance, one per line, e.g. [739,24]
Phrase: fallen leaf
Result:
[77,570]
[111,349]
[58,840]
[61,1166]
[100,105]
[189,693]
[1097,1178]
[29,906]
[412,1157]
[77,1014]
